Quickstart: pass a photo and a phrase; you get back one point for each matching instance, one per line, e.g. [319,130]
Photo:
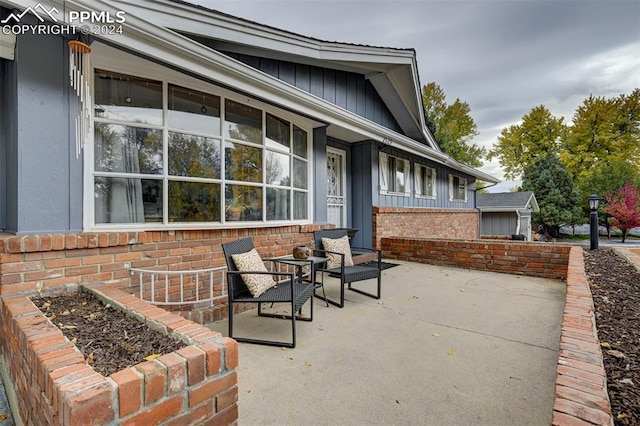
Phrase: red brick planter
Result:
[54,385]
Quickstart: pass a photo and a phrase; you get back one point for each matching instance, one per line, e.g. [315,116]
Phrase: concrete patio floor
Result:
[444,346]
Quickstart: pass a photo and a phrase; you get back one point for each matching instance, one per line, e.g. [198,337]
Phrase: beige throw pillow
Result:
[256,283]
[338,245]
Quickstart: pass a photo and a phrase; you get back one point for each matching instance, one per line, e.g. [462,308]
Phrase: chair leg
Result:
[376,295]
[324,295]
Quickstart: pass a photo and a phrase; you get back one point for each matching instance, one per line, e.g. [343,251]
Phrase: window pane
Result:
[242,122]
[127,98]
[300,174]
[124,200]
[243,163]
[277,132]
[278,204]
[427,181]
[277,169]
[459,188]
[300,205]
[399,176]
[127,149]
[194,156]
[299,142]
[194,202]
[193,111]
[243,203]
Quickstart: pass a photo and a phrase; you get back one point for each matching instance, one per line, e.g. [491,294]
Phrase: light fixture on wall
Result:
[79,69]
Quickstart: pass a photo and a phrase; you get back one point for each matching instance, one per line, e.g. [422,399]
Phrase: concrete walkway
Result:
[444,346]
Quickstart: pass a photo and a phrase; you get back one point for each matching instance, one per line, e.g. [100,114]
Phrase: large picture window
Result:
[169,154]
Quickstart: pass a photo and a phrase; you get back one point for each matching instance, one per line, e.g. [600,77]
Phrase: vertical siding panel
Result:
[287,72]
[369,101]
[317,82]
[50,175]
[269,66]
[341,89]
[252,61]
[330,85]
[352,92]
[303,78]
[361,108]
[319,173]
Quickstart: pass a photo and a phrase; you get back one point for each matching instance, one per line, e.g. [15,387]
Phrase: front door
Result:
[336,187]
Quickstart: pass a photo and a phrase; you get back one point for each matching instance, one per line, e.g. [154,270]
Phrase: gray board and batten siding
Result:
[42,177]
[347,90]
[498,223]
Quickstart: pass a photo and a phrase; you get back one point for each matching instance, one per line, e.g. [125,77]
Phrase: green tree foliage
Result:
[519,146]
[601,180]
[452,126]
[624,208]
[604,131]
[554,190]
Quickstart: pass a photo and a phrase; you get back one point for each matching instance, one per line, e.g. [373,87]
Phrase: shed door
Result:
[336,189]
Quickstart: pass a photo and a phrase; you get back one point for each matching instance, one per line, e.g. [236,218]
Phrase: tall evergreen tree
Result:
[555,193]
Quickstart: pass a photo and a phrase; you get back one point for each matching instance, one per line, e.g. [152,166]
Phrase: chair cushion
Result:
[256,283]
[338,245]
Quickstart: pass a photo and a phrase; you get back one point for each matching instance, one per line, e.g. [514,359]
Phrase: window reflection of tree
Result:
[243,162]
[194,202]
[276,175]
[194,156]
[126,149]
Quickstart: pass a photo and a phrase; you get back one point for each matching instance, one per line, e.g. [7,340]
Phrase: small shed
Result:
[506,214]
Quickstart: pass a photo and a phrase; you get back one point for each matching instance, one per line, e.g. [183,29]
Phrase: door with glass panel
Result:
[336,187]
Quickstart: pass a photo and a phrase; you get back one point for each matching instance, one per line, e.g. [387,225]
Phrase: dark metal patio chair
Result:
[348,274]
[288,290]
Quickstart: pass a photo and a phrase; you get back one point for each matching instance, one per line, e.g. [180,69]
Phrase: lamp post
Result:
[594,201]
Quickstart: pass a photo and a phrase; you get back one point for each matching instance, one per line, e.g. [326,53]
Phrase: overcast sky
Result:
[502,57]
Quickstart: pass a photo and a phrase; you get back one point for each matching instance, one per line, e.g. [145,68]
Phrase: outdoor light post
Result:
[594,201]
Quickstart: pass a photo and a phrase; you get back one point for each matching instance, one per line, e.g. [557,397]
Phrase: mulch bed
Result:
[109,339]
[615,285]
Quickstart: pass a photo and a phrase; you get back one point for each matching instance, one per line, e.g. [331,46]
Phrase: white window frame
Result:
[386,177]
[451,188]
[419,184]
[115,60]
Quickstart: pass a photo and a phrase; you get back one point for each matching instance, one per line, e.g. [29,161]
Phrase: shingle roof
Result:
[506,200]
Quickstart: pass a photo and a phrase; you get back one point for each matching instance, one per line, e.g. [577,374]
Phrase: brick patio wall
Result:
[52,260]
[424,223]
[581,396]
[513,257]
[581,381]
[52,384]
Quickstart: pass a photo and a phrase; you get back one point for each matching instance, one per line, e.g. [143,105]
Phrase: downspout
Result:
[518,222]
